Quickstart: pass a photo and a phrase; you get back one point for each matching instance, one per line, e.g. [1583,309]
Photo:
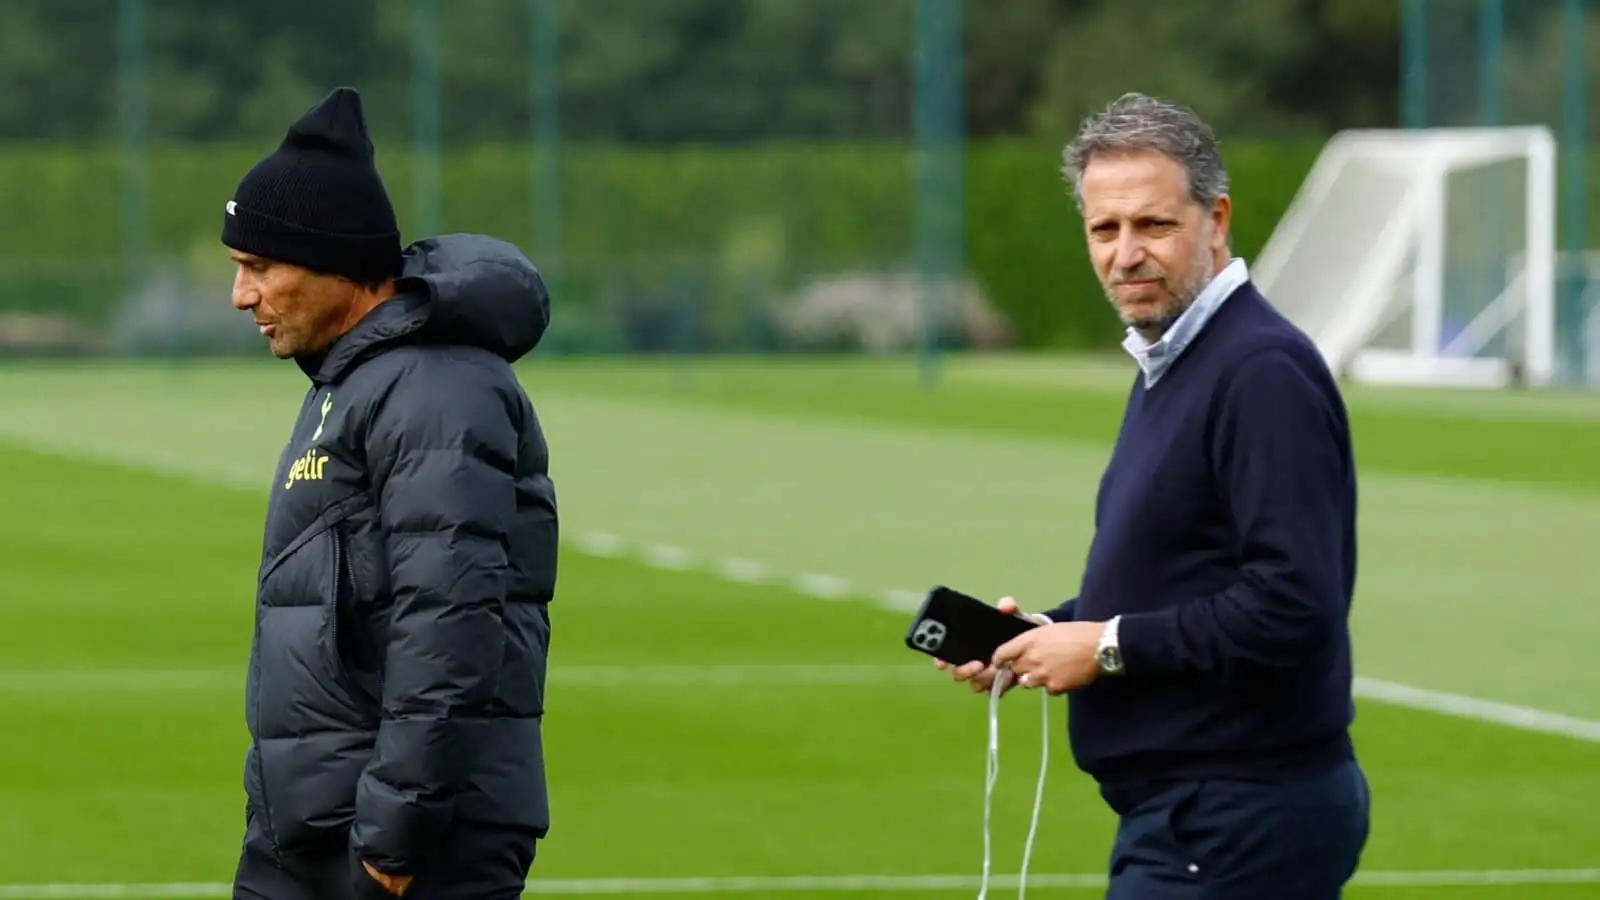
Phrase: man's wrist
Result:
[1108,651]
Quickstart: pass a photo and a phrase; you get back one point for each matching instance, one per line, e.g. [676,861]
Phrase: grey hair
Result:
[1137,122]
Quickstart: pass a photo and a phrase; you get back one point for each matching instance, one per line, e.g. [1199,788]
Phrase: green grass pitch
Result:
[730,710]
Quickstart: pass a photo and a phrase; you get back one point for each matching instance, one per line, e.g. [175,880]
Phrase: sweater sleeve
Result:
[1062,613]
[1279,450]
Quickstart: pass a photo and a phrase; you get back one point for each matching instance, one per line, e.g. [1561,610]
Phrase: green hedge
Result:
[710,222]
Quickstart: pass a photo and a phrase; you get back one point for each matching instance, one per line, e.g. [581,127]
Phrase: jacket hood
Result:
[481,291]
[460,289]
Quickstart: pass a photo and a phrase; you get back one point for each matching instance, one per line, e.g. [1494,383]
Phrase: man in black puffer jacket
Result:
[396,681]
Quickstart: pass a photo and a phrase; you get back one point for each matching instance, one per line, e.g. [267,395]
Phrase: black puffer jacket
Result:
[397,669]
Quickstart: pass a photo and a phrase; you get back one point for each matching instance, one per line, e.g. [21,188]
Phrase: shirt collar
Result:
[1155,358]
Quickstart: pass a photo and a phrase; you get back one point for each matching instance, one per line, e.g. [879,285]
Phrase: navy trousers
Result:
[1234,840]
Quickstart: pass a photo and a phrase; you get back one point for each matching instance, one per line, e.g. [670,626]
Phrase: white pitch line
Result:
[661,556]
[744,571]
[903,600]
[1470,877]
[113,891]
[1462,706]
[900,600]
[936,883]
[797,884]
[596,543]
[821,884]
[815,585]
[764,675]
[826,587]
[559,677]
[132,681]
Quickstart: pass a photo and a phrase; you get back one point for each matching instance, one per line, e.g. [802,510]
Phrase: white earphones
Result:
[1002,678]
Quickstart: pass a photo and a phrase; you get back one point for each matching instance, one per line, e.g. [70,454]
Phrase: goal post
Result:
[1424,256]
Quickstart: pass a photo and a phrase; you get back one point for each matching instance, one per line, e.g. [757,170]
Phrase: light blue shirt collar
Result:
[1156,358]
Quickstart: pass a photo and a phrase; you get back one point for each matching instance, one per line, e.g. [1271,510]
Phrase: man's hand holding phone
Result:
[979,673]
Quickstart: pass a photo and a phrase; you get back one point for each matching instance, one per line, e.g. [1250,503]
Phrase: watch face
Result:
[1110,659]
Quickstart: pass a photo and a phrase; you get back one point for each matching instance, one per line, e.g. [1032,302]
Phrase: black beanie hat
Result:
[318,201]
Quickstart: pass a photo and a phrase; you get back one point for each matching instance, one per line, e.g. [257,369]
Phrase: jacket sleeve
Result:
[1280,454]
[441,450]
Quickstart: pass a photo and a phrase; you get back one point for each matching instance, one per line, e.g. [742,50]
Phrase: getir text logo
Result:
[307,468]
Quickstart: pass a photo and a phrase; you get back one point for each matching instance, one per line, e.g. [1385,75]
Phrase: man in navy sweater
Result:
[1207,653]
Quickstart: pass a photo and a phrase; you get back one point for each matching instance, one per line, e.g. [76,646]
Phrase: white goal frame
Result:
[1415,230]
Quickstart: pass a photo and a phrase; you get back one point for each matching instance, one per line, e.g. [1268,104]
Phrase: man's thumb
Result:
[1008,605]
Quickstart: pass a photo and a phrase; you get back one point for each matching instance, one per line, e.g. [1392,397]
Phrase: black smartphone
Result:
[959,628]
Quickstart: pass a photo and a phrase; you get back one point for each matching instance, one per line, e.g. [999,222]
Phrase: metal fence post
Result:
[940,129]
[1574,195]
[545,16]
[133,119]
[425,115]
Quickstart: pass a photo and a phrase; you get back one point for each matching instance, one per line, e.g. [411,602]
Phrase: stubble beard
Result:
[1154,325]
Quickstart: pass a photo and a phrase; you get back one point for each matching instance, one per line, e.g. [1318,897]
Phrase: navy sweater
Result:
[1225,538]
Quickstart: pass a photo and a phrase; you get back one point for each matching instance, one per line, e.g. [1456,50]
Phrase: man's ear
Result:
[1221,221]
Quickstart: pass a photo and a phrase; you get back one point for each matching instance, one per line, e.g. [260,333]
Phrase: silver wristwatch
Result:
[1109,653]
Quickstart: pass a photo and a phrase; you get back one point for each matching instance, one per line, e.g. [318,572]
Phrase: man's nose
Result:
[245,297]
[1130,252]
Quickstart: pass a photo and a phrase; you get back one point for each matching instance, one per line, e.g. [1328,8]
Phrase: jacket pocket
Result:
[355,647]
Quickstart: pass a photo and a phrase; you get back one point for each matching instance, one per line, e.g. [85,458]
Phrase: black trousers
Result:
[475,861]
[1232,840]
